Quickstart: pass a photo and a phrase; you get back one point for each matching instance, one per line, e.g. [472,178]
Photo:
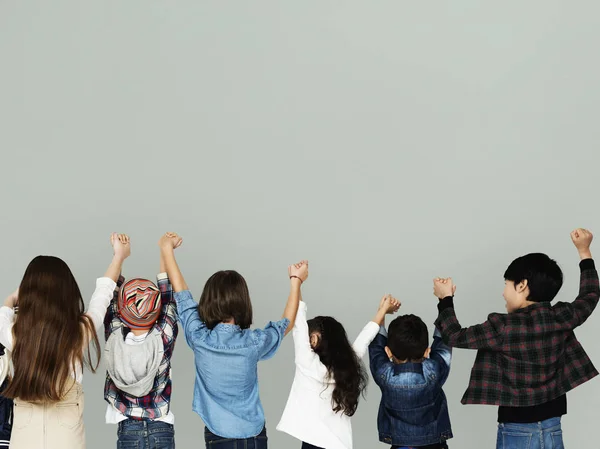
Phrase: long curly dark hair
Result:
[343,365]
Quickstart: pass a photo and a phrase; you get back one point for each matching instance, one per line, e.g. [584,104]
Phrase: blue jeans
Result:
[540,435]
[216,442]
[134,434]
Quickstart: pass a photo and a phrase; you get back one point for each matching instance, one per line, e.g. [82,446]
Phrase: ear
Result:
[427,352]
[389,352]
[522,286]
[314,340]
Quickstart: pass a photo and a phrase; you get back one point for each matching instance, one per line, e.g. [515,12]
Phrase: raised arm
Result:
[574,314]
[488,335]
[387,305]
[298,273]
[105,286]
[167,320]
[111,319]
[7,316]
[187,308]
[378,359]
[304,356]
[167,244]
[441,353]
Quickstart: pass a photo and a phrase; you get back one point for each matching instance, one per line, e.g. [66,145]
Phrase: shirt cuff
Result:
[106,282]
[446,303]
[162,276]
[302,306]
[184,296]
[437,333]
[587,264]
[383,331]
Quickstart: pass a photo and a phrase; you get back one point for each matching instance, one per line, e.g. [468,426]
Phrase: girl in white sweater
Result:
[329,379]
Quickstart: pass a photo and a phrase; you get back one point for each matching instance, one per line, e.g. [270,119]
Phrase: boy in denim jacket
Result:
[413,412]
[529,358]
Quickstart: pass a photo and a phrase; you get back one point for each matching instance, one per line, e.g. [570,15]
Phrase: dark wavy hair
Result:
[343,365]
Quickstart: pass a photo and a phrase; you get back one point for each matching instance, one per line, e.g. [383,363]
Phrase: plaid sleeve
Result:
[111,319]
[574,314]
[167,320]
[488,335]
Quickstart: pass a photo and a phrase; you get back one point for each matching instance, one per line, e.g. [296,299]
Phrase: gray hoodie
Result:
[133,368]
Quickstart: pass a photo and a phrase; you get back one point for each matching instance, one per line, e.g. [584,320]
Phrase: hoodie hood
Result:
[133,368]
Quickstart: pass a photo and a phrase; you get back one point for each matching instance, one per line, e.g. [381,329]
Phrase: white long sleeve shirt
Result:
[96,311]
[309,415]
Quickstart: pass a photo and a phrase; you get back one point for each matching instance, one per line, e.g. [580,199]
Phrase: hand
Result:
[120,244]
[170,240]
[442,288]
[299,270]
[582,239]
[389,304]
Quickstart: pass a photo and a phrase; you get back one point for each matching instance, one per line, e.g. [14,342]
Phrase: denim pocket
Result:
[557,440]
[131,444]
[516,440]
[164,442]
[22,415]
[68,415]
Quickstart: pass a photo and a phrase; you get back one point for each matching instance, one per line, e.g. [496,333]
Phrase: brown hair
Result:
[226,296]
[50,333]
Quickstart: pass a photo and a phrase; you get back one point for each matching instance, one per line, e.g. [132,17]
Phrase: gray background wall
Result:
[386,142]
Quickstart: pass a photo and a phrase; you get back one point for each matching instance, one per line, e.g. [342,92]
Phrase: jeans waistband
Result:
[547,424]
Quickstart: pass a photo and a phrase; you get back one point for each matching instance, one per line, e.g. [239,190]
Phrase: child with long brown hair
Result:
[51,341]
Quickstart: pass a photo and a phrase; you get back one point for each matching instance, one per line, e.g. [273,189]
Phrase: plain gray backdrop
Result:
[386,142]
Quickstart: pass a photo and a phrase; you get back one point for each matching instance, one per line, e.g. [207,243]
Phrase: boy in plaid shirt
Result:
[140,331]
[528,359]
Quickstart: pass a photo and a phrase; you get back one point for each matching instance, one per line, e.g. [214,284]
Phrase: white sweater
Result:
[308,415]
[105,288]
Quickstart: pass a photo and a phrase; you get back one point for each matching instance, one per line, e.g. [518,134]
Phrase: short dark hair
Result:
[226,296]
[408,338]
[544,276]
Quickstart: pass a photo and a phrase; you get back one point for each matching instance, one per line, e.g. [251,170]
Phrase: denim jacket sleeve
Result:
[378,359]
[269,339]
[187,309]
[442,354]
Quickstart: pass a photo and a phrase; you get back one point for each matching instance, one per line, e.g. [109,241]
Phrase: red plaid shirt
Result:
[156,403]
[530,356]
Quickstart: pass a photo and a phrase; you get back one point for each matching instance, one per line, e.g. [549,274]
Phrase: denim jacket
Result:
[226,357]
[413,409]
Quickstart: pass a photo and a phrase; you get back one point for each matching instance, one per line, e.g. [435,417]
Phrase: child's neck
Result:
[229,321]
[138,332]
[526,304]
